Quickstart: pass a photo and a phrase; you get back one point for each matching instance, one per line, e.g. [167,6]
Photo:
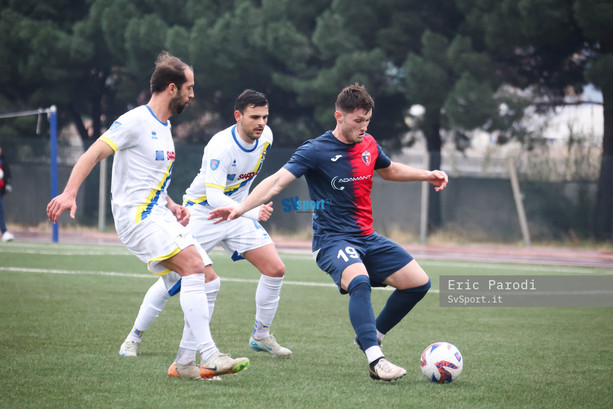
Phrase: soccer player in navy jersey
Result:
[339,167]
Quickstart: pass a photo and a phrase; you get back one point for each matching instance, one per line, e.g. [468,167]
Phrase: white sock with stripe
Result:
[267,298]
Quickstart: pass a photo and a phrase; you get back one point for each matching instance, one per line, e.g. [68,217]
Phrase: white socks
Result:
[150,309]
[373,353]
[267,298]
[211,289]
[195,307]
[189,346]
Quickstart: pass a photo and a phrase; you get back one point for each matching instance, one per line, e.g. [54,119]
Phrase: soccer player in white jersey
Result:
[231,161]
[148,222]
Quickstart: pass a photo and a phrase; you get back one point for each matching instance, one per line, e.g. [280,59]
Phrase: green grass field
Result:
[65,310]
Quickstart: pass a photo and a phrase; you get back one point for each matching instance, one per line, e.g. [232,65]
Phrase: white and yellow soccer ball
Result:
[441,362]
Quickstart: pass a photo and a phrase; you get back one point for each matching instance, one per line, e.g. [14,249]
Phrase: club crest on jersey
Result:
[231,176]
[115,125]
[159,155]
[214,164]
[366,157]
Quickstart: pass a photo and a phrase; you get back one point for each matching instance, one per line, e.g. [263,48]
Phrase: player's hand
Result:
[58,204]
[182,214]
[225,213]
[439,179]
[8,188]
[265,212]
[221,214]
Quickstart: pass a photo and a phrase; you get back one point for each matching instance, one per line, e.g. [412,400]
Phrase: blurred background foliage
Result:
[471,64]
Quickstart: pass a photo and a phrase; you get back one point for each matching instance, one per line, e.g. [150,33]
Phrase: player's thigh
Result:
[207,233]
[342,260]
[384,258]
[160,238]
[409,276]
[352,272]
[186,262]
[244,235]
[266,260]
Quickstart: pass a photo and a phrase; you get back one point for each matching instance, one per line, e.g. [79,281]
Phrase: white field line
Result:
[132,275]
[61,252]
[454,266]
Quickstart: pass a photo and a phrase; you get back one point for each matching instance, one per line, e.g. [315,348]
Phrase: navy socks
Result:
[361,313]
[398,305]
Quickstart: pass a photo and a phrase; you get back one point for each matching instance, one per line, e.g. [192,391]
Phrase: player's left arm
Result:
[398,172]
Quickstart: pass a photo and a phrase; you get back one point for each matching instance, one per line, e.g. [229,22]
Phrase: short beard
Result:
[175,105]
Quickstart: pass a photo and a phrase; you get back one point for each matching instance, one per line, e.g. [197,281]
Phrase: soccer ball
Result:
[441,362]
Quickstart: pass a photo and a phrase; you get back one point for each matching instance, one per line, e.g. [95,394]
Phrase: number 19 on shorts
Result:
[348,253]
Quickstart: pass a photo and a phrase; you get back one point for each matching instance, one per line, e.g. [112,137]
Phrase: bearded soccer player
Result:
[230,163]
[339,167]
[147,221]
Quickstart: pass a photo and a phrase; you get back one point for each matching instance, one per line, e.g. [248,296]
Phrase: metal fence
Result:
[477,205]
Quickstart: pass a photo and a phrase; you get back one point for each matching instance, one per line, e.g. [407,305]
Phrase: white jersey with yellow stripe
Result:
[229,164]
[142,166]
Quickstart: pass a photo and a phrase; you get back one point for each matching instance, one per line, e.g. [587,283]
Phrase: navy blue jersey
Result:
[340,175]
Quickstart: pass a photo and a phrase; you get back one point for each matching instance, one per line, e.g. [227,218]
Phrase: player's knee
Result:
[279,269]
[209,273]
[423,289]
[361,282]
[194,265]
[275,269]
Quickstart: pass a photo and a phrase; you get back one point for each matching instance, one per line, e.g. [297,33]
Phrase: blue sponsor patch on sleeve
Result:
[214,164]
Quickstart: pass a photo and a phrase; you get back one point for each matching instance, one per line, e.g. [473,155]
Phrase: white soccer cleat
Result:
[129,348]
[221,364]
[191,371]
[7,236]
[386,371]
[270,345]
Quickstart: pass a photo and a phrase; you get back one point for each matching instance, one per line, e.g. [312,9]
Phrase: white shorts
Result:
[158,238]
[236,236]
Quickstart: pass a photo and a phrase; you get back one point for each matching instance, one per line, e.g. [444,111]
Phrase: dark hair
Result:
[168,70]
[354,97]
[249,98]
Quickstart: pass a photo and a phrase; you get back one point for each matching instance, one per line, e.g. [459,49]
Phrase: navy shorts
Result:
[381,257]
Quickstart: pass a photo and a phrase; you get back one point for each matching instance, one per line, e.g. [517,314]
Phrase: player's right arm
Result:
[67,200]
[262,193]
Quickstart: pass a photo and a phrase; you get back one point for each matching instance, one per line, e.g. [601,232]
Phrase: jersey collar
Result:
[239,144]
[163,123]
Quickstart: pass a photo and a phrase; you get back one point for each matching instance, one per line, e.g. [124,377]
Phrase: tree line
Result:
[471,64]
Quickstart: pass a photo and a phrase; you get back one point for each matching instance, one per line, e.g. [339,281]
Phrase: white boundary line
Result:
[88,249]
[132,275]
[455,265]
